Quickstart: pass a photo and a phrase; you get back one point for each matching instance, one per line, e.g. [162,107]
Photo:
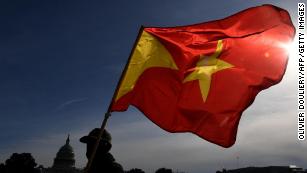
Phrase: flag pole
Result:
[108,113]
[126,67]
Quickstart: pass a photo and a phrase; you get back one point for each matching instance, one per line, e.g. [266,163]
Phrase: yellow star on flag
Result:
[205,68]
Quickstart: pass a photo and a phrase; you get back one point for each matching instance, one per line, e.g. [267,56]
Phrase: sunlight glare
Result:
[289,47]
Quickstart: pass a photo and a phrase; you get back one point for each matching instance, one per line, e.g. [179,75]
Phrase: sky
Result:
[59,65]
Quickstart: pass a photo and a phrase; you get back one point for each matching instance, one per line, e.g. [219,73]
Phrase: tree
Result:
[2,167]
[164,170]
[18,163]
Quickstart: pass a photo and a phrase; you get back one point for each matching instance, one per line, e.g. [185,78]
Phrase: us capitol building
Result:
[64,162]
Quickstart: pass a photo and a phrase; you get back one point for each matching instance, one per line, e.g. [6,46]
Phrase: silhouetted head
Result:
[104,144]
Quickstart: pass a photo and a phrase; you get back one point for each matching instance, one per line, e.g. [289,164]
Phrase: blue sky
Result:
[59,65]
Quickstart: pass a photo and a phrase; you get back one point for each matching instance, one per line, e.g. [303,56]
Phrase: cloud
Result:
[70,102]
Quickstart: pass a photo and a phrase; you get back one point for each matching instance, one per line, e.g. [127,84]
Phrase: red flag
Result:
[200,78]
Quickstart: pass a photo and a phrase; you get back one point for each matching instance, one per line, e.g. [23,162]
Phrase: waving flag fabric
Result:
[200,78]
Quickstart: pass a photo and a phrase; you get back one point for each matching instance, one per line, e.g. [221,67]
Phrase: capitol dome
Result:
[65,157]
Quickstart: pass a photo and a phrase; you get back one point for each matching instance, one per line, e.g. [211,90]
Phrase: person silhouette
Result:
[104,161]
